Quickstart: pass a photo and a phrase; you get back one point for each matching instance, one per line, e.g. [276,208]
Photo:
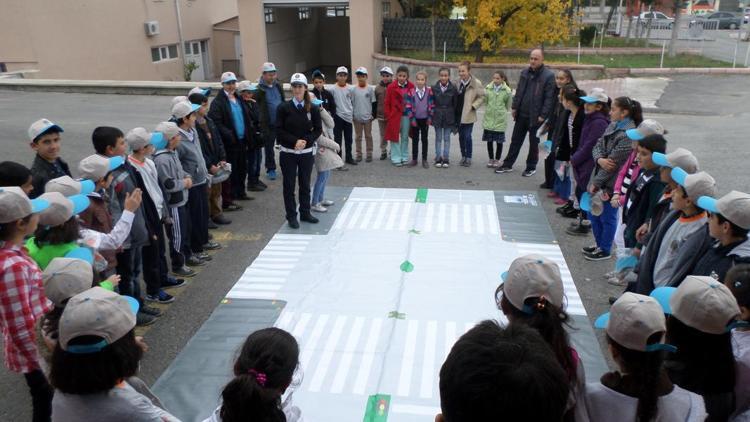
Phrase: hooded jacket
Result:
[615,145]
[497,107]
[473,98]
[171,177]
[594,125]
[444,112]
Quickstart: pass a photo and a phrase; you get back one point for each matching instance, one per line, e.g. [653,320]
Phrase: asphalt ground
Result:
[710,115]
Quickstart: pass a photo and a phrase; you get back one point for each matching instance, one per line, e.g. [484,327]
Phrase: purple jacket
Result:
[582,160]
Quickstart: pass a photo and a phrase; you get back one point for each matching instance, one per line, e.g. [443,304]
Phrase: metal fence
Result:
[415,33]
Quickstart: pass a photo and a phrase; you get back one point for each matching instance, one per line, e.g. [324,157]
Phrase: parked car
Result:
[658,20]
[727,20]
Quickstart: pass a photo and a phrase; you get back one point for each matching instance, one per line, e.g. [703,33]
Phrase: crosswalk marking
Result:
[407,362]
[428,364]
[312,341]
[392,217]
[368,356]
[325,361]
[346,360]
[553,253]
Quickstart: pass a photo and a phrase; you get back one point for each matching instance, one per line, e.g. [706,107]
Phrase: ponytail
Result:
[244,399]
[646,369]
[635,111]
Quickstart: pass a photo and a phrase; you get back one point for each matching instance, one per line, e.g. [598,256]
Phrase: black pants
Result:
[296,168]
[163,266]
[417,133]
[522,127]
[179,236]
[497,154]
[237,157]
[197,206]
[128,262]
[150,262]
[41,395]
[269,151]
[342,127]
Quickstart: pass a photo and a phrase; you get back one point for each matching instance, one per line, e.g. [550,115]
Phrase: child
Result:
[532,294]
[493,371]
[658,261]
[738,282]
[155,272]
[640,390]
[364,108]
[14,174]
[596,106]
[23,296]
[568,139]
[326,159]
[256,143]
[610,153]
[470,98]
[321,93]
[553,126]
[263,372]
[386,77]
[343,95]
[397,116]
[702,313]
[96,352]
[420,105]
[270,95]
[45,141]
[174,183]
[444,116]
[498,99]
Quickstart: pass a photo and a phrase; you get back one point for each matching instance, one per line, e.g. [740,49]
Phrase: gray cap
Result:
[680,157]
[61,208]
[15,205]
[66,277]
[138,138]
[696,185]
[704,304]
[68,186]
[632,320]
[95,167]
[533,276]
[734,206]
[169,129]
[178,99]
[183,108]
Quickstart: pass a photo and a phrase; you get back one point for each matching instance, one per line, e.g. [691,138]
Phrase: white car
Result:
[658,20]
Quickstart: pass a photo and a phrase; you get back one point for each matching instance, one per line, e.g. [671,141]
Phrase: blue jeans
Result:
[320,187]
[464,139]
[604,227]
[562,186]
[442,143]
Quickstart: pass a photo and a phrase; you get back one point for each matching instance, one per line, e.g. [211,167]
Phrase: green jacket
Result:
[42,255]
[497,107]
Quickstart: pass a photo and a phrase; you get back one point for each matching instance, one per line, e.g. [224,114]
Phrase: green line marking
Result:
[378,406]
[414,231]
[396,315]
[407,267]
[421,195]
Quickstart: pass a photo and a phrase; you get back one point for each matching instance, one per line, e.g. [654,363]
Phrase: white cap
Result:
[269,67]
[15,205]
[696,185]
[184,108]
[680,157]
[198,90]
[632,320]
[361,71]
[298,78]
[647,127]
[169,129]
[66,277]
[96,312]
[532,276]
[342,69]
[138,138]
[597,95]
[41,126]
[386,69]
[701,303]
[178,99]
[68,186]
[734,206]
[61,208]
[228,77]
[247,86]
[95,167]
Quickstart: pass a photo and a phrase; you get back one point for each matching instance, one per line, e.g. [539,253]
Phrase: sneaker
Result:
[528,172]
[343,168]
[609,275]
[439,163]
[383,155]
[368,159]
[359,159]
[221,220]
[425,164]
[271,174]
[446,164]
[261,184]
[142,319]
[592,249]
[212,225]
[149,310]
[491,164]
[571,213]
[163,298]
[398,164]
[254,187]
[293,223]
[412,163]
[309,218]
[351,162]
[194,261]
[615,281]
[183,272]
[504,169]
[204,256]
[568,205]
[579,229]
[560,201]
[552,194]
[612,300]
[231,207]
[467,163]
[318,208]
[173,283]
[597,255]
[462,162]
[211,246]
[327,203]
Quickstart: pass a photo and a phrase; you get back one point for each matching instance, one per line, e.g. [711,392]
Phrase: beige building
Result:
[155,39]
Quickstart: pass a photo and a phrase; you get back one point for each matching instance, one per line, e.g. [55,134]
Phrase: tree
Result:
[677,9]
[493,24]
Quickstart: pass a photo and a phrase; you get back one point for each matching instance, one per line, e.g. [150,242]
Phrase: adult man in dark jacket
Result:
[230,114]
[270,95]
[532,105]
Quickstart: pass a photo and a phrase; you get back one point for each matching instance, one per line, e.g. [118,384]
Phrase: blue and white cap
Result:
[633,320]
[198,90]
[298,79]
[734,206]
[696,185]
[41,126]
[269,67]
[647,127]
[597,95]
[95,167]
[61,208]
[15,205]
[532,276]
[680,157]
[183,108]
[228,77]
[68,186]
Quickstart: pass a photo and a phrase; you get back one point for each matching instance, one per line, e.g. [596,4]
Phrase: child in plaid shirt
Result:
[22,299]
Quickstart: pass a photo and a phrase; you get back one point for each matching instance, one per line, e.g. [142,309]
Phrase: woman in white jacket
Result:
[326,159]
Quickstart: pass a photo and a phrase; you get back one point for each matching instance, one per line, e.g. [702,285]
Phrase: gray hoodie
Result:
[171,173]
[191,156]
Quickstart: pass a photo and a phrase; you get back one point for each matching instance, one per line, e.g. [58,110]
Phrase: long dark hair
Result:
[635,111]
[262,372]
[550,321]
[66,232]
[570,92]
[738,282]
[645,368]
[571,81]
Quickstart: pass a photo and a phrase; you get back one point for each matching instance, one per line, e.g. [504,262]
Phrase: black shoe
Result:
[204,256]
[308,218]
[220,219]
[183,272]
[173,283]
[571,213]
[504,169]
[254,187]
[528,172]
[545,186]
[194,261]
[244,197]
[212,225]
[612,300]
[589,249]
[383,156]
[351,162]
[148,310]
[162,297]
[143,319]
[568,205]
[212,246]
[293,223]
[579,229]
[260,184]
[597,255]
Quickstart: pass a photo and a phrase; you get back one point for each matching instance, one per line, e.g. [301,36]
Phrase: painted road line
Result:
[346,360]
[407,361]
[365,367]
[428,364]
[312,342]
[325,361]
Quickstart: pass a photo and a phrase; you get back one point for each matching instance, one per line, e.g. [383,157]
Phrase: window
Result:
[303,13]
[337,11]
[164,52]
[386,9]
[270,16]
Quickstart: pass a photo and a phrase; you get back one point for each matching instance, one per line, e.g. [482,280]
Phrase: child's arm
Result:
[171,183]
[374,103]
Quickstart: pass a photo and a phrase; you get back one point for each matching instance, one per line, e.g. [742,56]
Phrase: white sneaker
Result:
[327,203]
[318,208]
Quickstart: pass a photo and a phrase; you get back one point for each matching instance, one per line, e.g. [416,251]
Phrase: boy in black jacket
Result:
[248,91]
[45,141]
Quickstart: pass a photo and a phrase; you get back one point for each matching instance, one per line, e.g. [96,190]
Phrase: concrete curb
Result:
[669,71]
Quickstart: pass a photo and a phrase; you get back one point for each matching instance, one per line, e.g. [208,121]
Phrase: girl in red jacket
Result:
[397,116]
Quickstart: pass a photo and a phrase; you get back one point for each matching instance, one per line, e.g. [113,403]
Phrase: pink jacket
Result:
[623,173]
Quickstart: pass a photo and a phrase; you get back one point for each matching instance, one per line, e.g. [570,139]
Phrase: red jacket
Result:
[395,104]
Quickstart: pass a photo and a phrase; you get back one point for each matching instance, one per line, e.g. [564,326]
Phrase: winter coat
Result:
[643,195]
[327,157]
[211,145]
[191,157]
[542,82]
[42,171]
[329,104]
[380,89]
[444,112]
[564,149]
[171,177]
[497,107]
[615,145]
[293,124]
[395,108]
[263,111]
[719,259]
[582,161]
[410,100]
[328,123]
[645,270]
[96,217]
[473,99]
[256,140]
[221,113]
[125,179]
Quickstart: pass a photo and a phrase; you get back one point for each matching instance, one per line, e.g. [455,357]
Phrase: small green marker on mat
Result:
[414,231]
[377,408]
[421,195]
[407,267]
[396,315]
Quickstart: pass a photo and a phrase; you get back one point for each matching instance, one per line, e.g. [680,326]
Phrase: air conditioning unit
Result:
[152,28]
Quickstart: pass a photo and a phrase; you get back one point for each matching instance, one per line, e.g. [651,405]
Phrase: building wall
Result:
[223,44]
